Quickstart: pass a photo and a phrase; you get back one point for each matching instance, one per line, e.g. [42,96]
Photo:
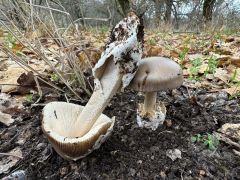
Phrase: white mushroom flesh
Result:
[116,68]
[58,122]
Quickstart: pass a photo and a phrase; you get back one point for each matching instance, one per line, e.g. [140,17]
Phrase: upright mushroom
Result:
[155,74]
[115,69]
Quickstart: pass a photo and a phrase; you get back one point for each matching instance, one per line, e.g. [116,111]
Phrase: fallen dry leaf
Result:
[223,60]
[26,82]
[195,56]
[228,60]
[174,154]
[3,55]
[231,130]
[174,54]
[6,119]
[202,68]
[235,60]
[8,85]
[10,104]
[9,78]
[153,51]
[222,74]
[229,39]
[17,47]
[89,57]
[17,175]
[10,160]
[233,90]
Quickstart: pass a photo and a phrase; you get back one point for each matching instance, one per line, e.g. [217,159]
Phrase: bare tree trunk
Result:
[110,17]
[82,16]
[158,6]
[176,17]
[208,10]
[168,12]
[18,14]
[125,6]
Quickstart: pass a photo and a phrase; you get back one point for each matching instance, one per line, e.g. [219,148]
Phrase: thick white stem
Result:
[110,83]
[150,102]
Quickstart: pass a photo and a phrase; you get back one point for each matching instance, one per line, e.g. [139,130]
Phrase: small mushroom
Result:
[155,74]
[58,122]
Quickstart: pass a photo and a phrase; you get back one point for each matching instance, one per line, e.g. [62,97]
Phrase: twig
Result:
[190,97]
[38,49]
[170,132]
[66,98]
[96,19]
[24,65]
[9,154]
[3,132]
[39,89]
[76,69]
[36,105]
[227,140]
[236,152]
[183,32]
[40,54]
[13,85]
[48,8]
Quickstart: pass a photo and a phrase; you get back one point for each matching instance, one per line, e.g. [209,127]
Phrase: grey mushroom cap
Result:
[157,74]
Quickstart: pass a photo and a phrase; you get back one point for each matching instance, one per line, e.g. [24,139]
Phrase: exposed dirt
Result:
[132,152]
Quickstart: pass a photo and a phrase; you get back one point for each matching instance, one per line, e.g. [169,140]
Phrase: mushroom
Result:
[155,74]
[58,122]
[115,69]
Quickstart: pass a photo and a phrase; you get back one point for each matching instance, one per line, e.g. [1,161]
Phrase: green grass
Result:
[11,41]
[212,65]
[234,79]
[54,77]
[236,95]
[183,54]
[99,30]
[29,98]
[210,141]
[152,42]
[196,63]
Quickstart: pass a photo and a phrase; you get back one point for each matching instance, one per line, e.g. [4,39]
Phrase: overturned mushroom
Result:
[155,74]
[58,122]
[115,69]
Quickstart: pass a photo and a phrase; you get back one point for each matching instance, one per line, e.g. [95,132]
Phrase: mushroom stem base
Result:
[151,120]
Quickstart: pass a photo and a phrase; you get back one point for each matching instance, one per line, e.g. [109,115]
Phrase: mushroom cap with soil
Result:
[115,69]
[155,74]
[57,125]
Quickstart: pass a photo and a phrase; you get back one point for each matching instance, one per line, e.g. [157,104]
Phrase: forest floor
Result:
[196,113]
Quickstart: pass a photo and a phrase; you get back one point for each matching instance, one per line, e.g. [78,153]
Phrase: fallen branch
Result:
[9,154]
[39,89]
[226,140]
[47,8]
[96,19]
[236,152]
